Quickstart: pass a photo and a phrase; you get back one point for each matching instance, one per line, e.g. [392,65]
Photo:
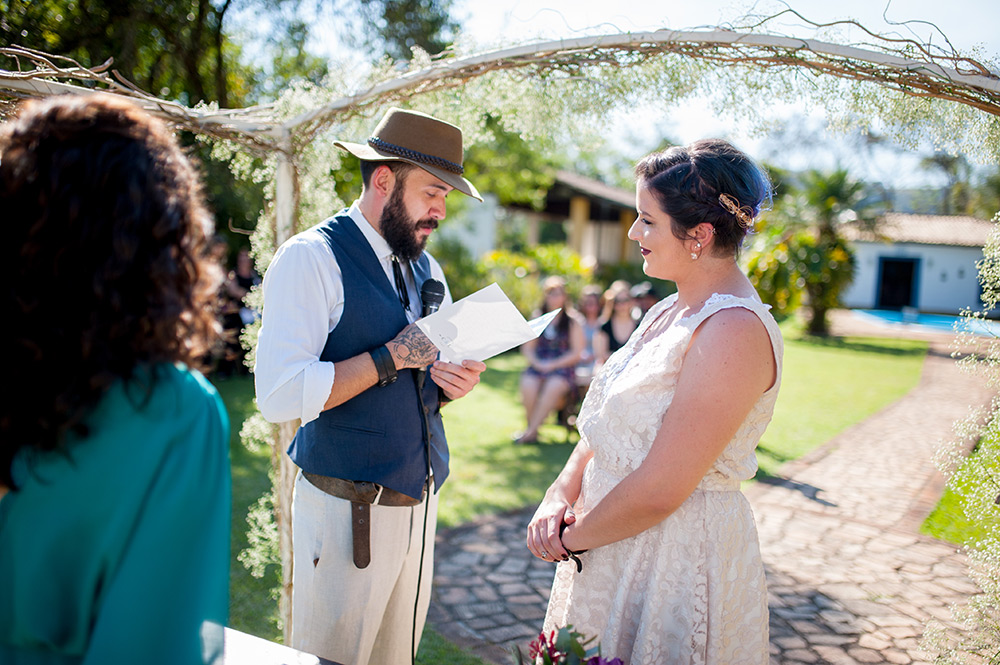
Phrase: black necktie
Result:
[404,293]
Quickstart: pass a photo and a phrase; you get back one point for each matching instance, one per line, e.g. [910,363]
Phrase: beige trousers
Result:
[350,615]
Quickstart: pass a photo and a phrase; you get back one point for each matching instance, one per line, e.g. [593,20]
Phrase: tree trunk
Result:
[285,477]
[817,322]
[221,84]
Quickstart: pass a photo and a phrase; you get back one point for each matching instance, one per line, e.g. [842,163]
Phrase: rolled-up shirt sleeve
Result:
[303,300]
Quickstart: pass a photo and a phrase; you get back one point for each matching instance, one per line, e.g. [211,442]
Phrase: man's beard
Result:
[399,229]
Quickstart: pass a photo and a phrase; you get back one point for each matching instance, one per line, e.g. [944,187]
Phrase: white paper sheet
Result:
[480,326]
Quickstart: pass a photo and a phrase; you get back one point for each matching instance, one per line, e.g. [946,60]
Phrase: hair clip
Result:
[744,214]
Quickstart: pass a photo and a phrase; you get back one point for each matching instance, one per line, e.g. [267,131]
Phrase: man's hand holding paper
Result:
[457,380]
[480,326]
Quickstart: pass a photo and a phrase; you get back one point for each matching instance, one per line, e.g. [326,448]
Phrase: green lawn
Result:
[949,521]
[827,386]
[830,384]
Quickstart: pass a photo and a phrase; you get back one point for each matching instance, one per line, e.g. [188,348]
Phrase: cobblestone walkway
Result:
[850,578]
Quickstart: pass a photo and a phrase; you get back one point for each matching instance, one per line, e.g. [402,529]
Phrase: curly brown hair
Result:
[105,264]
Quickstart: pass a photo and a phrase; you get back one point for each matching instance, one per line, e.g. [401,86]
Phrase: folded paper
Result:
[481,326]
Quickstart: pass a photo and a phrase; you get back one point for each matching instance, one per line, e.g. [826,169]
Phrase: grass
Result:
[828,385]
[253,605]
[949,520]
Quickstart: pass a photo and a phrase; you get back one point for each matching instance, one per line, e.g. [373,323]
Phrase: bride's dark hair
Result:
[105,269]
[688,181]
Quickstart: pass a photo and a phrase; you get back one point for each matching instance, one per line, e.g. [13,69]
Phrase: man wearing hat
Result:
[338,350]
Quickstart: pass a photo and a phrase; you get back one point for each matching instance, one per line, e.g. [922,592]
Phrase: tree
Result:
[393,28]
[176,49]
[805,254]
[955,198]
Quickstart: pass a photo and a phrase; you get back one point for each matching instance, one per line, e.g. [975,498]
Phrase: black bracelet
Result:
[384,365]
[575,555]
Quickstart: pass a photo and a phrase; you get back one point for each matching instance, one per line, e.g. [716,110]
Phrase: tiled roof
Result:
[597,189]
[924,230]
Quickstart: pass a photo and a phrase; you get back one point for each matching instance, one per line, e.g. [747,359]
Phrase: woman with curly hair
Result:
[114,470]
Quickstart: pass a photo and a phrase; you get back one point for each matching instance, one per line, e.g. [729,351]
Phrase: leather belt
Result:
[362,494]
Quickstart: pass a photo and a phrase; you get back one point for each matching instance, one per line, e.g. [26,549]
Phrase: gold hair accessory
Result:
[744,214]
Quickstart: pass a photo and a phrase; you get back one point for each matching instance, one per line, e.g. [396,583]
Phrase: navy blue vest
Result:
[377,436]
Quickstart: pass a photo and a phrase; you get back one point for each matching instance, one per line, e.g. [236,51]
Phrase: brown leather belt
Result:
[362,495]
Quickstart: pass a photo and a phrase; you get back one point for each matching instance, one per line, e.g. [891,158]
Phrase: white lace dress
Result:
[691,589]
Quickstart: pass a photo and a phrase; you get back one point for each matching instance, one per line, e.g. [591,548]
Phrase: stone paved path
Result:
[850,579]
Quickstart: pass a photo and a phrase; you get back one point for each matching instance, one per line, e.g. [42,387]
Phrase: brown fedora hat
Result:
[417,138]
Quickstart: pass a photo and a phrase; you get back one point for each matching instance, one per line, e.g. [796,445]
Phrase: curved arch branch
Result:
[900,64]
[925,77]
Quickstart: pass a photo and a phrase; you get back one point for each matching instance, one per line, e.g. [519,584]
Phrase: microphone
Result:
[431,295]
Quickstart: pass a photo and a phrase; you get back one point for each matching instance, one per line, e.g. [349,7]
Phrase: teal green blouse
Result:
[117,550]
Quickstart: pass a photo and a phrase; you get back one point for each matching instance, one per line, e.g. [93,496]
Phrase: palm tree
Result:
[825,261]
[805,253]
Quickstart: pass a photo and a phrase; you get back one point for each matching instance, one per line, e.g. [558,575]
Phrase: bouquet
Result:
[564,647]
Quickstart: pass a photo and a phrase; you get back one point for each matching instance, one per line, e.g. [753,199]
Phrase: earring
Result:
[693,255]
[697,245]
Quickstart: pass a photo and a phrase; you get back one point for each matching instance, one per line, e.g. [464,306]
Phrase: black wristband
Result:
[573,554]
[384,365]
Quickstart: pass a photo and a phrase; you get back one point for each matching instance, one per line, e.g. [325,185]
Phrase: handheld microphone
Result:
[431,295]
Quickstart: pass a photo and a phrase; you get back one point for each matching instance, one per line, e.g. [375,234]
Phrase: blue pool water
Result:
[935,322]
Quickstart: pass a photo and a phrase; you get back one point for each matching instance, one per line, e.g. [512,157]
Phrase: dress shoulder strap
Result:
[720,301]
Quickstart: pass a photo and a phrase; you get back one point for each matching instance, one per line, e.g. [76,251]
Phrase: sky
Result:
[965,22]
[968,24]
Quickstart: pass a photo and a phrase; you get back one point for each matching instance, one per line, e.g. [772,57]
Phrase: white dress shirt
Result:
[303,302]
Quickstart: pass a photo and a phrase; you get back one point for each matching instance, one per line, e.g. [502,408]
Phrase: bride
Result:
[658,549]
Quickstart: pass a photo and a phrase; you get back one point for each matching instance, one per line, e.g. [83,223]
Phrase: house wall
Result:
[602,243]
[946,276]
[475,228]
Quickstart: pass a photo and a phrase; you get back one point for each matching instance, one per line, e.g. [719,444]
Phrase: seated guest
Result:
[644,295]
[619,321]
[550,378]
[114,469]
[595,349]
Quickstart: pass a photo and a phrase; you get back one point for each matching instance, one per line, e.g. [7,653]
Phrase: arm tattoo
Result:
[413,348]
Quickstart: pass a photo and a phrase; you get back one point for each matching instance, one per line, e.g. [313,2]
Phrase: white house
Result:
[925,262]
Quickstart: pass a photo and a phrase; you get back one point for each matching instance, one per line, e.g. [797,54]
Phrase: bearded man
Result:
[339,351]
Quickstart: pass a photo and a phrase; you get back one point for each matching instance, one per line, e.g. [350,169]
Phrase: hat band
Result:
[415,156]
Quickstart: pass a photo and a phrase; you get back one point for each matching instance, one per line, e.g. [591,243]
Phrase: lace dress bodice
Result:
[690,589]
[625,404]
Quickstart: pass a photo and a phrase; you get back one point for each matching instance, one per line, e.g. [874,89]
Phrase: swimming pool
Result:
[932,322]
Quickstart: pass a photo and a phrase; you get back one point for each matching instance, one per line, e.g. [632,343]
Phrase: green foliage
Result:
[396,27]
[291,61]
[974,484]
[827,267]
[173,48]
[465,274]
[802,255]
[520,274]
[774,275]
[516,171]
[253,604]
[565,646]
